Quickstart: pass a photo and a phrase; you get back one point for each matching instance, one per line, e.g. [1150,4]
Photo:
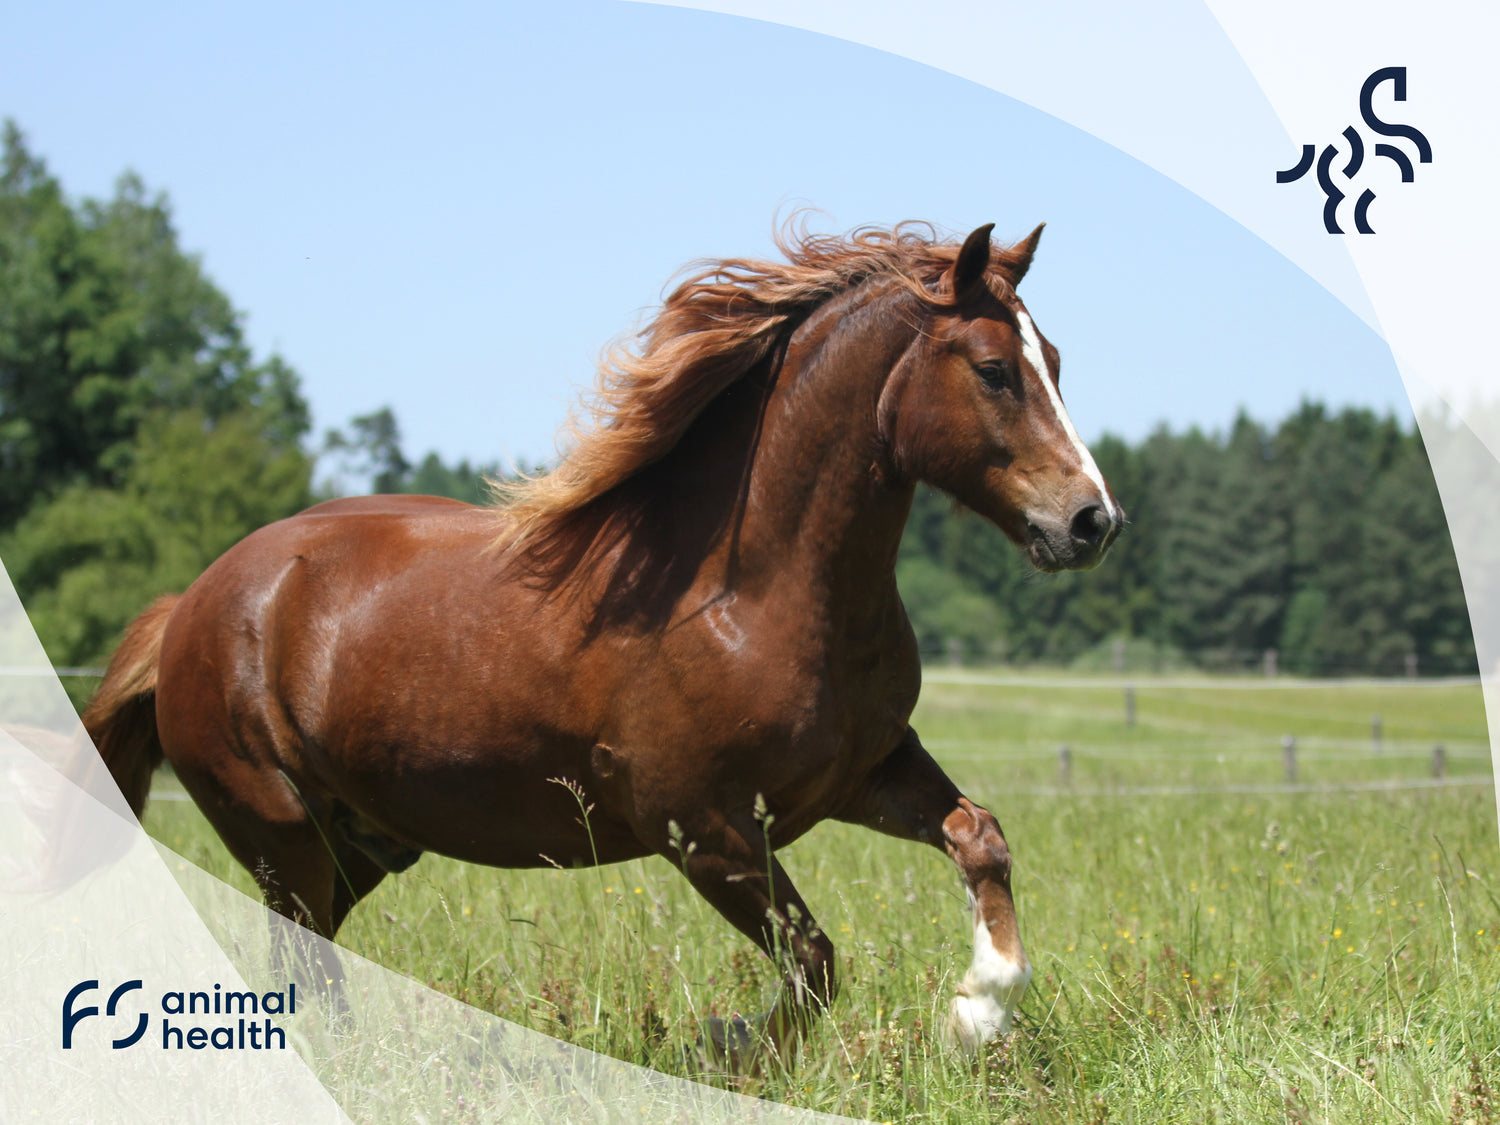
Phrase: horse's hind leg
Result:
[729,863]
[285,841]
[310,955]
[298,876]
[909,796]
[357,875]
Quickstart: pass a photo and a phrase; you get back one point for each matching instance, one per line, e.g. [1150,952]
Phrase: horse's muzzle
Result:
[1078,543]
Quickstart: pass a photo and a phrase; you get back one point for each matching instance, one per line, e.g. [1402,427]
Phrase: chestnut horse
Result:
[692,623]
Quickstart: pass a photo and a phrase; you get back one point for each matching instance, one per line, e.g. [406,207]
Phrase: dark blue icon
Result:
[1334,195]
[70,1017]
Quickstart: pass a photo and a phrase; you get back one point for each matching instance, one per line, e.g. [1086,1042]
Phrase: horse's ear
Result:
[1026,249]
[973,259]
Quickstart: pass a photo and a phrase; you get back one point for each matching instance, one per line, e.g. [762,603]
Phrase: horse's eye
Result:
[995,375]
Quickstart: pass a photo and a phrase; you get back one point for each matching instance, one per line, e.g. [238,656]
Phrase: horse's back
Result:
[273,618]
[340,548]
[388,504]
[279,597]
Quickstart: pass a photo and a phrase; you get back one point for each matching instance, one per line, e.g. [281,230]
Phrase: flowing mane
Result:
[722,320]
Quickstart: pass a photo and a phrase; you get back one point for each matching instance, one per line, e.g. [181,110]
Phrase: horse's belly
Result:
[504,810]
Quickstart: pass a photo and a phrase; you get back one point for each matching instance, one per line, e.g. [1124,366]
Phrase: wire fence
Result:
[1187,736]
[1279,683]
[1141,656]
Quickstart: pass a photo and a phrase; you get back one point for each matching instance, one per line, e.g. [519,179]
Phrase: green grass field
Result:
[1215,948]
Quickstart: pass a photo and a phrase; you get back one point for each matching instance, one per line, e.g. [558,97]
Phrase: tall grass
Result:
[1209,956]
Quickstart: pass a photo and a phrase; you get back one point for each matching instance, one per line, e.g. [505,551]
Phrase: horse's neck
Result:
[776,492]
[818,507]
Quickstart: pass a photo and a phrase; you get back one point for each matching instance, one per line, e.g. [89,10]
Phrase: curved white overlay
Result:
[1189,90]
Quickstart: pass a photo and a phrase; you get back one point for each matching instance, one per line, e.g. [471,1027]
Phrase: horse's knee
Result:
[973,838]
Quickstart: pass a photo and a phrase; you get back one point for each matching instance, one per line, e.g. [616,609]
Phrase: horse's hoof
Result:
[974,1020]
[730,1045]
[988,997]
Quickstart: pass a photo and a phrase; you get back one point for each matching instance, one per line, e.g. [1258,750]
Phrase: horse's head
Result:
[973,408]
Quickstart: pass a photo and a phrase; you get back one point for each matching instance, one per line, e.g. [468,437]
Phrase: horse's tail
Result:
[121,718]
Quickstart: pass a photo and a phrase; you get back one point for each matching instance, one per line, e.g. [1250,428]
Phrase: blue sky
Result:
[452,211]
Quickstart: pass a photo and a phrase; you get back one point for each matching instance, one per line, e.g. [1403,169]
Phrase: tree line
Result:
[140,438]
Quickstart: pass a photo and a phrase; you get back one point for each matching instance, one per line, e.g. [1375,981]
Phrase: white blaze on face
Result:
[1031,351]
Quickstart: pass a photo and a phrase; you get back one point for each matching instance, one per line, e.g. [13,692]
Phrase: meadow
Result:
[1211,943]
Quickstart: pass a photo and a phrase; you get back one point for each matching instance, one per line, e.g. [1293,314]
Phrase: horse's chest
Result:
[746,700]
[809,733]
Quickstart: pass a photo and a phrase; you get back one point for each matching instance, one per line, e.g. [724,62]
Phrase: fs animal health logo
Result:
[1394,153]
[242,1034]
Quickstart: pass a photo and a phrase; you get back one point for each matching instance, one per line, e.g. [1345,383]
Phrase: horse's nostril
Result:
[1090,525]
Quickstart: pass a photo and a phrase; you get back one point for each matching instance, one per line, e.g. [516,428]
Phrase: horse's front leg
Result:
[909,796]
[729,862]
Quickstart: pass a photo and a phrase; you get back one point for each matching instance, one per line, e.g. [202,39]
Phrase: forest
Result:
[140,438]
